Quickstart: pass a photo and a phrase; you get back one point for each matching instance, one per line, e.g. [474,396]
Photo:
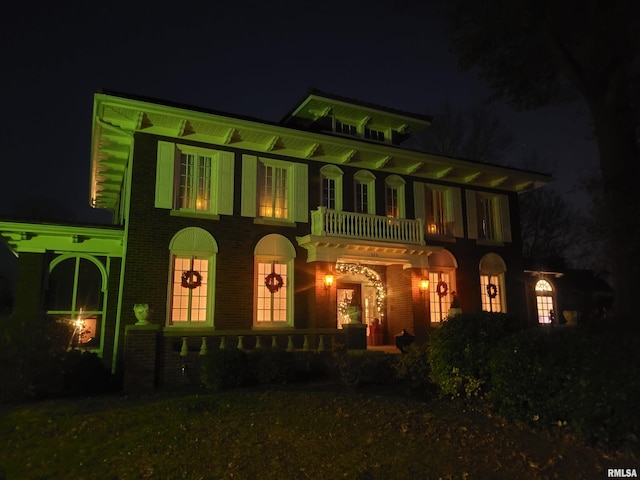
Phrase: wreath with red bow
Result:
[191,279]
[273,282]
[492,290]
[442,289]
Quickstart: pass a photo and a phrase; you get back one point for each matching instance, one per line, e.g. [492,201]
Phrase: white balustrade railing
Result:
[334,223]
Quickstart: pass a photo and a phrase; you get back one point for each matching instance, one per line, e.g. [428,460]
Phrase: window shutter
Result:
[418,201]
[456,200]
[472,217]
[249,185]
[505,219]
[164,175]
[301,192]
[225,183]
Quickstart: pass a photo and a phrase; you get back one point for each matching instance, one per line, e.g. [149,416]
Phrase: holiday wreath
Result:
[442,289]
[273,282]
[492,290]
[191,279]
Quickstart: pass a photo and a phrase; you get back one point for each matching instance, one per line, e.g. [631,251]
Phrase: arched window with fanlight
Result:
[273,262]
[191,286]
[75,295]
[492,289]
[545,301]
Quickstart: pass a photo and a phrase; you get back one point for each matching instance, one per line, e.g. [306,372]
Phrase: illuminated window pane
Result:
[189,305]
[439,306]
[491,304]
[272,192]
[195,182]
[271,307]
[544,301]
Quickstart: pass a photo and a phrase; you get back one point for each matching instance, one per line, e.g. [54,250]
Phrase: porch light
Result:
[424,285]
[328,281]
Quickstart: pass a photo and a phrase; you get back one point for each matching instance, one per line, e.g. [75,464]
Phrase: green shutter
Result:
[225,183]
[505,219]
[165,167]
[456,199]
[301,192]
[472,217]
[249,185]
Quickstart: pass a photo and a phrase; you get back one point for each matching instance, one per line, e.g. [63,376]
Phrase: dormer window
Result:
[346,128]
[373,134]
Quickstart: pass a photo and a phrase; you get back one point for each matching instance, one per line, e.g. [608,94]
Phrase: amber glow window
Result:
[189,290]
[491,292]
[272,191]
[394,196]
[272,304]
[195,182]
[439,295]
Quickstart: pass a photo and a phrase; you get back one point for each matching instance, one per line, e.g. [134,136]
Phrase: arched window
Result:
[273,267]
[365,191]
[544,301]
[492,292]
[331,187]
[394,196]
[191,286]
[442,284]
[75,295]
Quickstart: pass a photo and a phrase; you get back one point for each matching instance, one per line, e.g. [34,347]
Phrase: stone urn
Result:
[142,311]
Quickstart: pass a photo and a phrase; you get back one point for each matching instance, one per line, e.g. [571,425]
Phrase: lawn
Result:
[283,433]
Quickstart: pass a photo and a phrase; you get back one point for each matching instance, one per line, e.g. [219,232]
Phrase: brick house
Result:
[319,228]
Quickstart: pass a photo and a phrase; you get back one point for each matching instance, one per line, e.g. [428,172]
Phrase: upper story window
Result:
[274,190]
[193,180]
[394,196]
[440,207]
[76,289]
[331,187]
[488,216]
[373,134]
[346,128]
[365,201]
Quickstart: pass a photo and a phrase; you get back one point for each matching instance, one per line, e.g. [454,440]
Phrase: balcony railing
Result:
[334,223]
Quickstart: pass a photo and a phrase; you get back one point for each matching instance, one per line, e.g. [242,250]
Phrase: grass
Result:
[285,433]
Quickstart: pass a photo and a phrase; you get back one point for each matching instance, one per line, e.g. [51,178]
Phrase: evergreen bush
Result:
[413,368]
[271,365]
[225,368]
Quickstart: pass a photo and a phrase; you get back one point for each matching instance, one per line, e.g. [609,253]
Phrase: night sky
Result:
[243,57]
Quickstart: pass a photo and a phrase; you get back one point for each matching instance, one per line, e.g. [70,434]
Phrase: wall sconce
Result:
[328,281]
[424,285]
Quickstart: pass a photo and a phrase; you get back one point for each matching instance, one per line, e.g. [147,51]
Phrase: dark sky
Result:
[244,57]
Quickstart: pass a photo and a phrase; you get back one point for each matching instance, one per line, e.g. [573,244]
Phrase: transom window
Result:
[273,192]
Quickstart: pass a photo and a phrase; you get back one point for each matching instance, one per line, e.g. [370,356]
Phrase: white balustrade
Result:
[334,223]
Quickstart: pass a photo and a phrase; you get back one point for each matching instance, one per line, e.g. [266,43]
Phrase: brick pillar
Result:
[140,354]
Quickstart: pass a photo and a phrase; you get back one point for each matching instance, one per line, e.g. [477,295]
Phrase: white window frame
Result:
[168,178]
[274,248]
[547,297]
[297,190]
[76,314]
[439,306]
[332,174]
[394,186]
[492,269]
[498,209]
[367,179]
[198,243]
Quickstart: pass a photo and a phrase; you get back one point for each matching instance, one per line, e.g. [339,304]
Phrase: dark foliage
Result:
[84,374]
[225,368]
[271,365]
[363,368]
[413,369]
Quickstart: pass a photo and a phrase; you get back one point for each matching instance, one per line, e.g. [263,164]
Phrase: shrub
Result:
[357,369]
[459,351]
[271,365]
[570,377]
[413,368]
[84,374]
[224,368]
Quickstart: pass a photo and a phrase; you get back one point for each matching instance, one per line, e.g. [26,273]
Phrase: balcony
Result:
[334,223]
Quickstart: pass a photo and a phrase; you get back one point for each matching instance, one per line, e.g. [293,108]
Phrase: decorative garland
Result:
[372,276]
[492,290]
[273,282]
[188,279]
[442,289]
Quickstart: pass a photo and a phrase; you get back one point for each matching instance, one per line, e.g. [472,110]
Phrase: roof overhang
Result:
[339,249]
[39,238]
[117,118]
